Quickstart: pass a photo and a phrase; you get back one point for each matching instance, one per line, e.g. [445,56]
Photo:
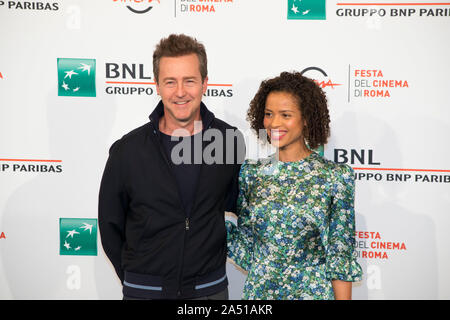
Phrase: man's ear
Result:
[205,85]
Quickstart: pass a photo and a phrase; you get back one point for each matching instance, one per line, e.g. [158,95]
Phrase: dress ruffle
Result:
[239,248]
[345,268]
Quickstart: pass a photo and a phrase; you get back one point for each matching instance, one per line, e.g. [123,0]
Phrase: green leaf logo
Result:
[76,77]
[77,237]
[306,9]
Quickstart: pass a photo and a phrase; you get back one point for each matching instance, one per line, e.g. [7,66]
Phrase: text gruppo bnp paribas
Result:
[24,166]
[377,172]
[373,11]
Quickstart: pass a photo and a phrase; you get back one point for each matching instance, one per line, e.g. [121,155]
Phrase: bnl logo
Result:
[353,156]
[306,9]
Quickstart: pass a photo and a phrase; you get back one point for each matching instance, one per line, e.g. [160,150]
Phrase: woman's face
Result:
[283,120]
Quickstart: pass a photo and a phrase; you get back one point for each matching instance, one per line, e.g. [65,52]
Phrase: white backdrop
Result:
[53,148]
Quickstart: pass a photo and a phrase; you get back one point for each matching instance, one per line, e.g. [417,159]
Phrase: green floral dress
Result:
[295,228]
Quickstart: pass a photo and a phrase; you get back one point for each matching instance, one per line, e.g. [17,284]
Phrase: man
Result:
[161,207]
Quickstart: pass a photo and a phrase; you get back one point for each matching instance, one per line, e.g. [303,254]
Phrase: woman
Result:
[295,227]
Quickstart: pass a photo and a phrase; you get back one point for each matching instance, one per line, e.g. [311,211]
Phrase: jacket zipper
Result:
[187,214]
[163,152]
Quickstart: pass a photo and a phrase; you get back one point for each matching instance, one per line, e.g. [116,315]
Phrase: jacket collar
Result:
[206,115]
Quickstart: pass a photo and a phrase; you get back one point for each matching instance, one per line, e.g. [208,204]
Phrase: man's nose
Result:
[181,90]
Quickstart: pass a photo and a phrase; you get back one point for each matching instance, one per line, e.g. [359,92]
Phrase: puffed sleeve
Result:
[340,247]
[240,237]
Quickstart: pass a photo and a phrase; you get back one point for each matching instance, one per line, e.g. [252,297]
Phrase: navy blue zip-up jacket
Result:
[159,250]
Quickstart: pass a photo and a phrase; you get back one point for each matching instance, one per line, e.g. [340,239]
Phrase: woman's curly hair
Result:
[311,99]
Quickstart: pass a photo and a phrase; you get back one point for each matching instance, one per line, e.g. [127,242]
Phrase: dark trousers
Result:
[222,295]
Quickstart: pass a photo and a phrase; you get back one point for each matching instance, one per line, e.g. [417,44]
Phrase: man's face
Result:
[181,89]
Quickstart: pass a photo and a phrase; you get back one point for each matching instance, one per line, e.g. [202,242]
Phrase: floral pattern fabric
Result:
[295,228]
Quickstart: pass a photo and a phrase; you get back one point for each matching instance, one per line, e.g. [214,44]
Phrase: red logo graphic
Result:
[321,83]
[329,83]
[138,6]
[1,76]
[2,235]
